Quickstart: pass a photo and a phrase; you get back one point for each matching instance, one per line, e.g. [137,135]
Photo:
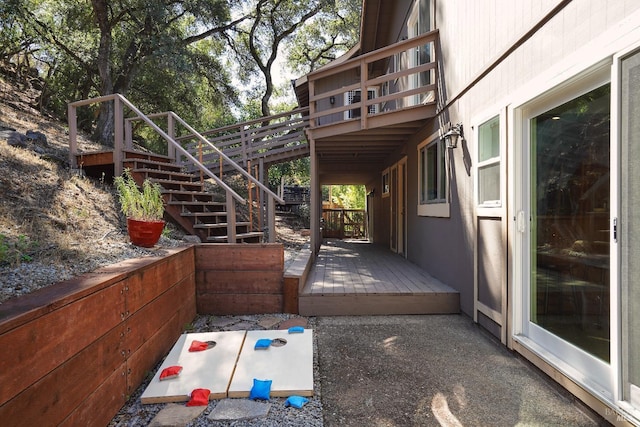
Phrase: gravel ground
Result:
[22,279]
[135,413]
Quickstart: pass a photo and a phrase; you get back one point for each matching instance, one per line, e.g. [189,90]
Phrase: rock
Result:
[176,415]
[37,137]
[192,239]
[15,139]
[239,409]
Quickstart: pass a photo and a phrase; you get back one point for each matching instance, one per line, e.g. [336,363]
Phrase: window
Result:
[432,175]
[489,181]
[385,183]
[354,96]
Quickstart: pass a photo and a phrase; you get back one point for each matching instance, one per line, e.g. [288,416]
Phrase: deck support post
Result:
[118,135]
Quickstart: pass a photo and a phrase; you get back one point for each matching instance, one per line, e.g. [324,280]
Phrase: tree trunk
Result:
[104,127]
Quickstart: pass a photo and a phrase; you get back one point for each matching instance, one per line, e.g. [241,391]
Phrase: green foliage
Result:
[293,172]
[328,35]
[347,196]
[144,204]
[15,252]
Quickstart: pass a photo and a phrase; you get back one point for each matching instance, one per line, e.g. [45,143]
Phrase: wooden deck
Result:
[354,277]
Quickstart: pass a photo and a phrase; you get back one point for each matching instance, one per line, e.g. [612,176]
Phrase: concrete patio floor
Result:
[433,370]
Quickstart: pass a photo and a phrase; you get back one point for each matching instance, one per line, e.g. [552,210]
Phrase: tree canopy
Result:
[194,57]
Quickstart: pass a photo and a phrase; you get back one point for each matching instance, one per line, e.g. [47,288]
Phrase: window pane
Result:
[489,140]
[442,171]
[432,172]
[570,221]
[489,183]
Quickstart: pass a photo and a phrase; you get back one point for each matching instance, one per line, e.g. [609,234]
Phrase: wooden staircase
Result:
[188,203]
[193,162]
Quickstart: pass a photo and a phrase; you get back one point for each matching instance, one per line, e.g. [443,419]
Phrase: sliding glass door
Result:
[566,249]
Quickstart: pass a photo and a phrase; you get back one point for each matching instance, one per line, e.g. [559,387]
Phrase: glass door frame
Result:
[629,400]
[589,371]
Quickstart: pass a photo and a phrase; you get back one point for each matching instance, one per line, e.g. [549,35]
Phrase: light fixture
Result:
[452,135]
[332,100]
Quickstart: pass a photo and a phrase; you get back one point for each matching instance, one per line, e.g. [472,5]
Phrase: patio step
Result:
[358,278]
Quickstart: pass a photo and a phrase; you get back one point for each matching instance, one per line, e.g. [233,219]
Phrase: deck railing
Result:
[123,140]
[394,78]
[274,138]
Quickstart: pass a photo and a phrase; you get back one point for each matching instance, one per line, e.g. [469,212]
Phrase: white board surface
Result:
[211,369]
[290,367]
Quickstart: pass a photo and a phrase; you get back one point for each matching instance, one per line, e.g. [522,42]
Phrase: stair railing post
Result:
[264,215]
[171,131]
[128,134]
[200,160]
[272,219]
[244,141]
[250,192]
[231,219]
[118,137]
[73,135]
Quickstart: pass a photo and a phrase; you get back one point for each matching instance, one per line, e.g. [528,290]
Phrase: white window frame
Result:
[385,183]
[438,207]
[493,161]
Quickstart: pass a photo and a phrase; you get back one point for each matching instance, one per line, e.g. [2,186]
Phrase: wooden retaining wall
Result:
[71,353]
[234,279]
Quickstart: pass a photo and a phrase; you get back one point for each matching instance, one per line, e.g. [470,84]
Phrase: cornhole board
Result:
[211,369]
[290,367]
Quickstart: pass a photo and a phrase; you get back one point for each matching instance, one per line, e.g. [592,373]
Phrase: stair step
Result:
[135,154]
[241,237]
[219,225]
[151,165]
[189,196]
[198,215]
[177,176]
[170,184]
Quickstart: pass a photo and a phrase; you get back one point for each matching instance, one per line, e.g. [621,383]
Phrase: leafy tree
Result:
[325,37]
[108,47]
[277,26]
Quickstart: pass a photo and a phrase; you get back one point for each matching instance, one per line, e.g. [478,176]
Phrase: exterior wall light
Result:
[332,100]
[452,135]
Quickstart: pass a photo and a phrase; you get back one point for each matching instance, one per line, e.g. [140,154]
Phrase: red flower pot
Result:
[144,233]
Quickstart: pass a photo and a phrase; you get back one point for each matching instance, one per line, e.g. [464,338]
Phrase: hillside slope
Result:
[53,224]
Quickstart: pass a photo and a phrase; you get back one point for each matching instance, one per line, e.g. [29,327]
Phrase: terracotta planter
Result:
[144,233]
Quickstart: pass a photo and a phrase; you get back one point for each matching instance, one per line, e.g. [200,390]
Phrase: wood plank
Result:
[214,256]
[363,304]
[148,283]
[103,404]
[238,304]
[18,311]
[140,362]
[50,400]
[291,286]
[290,367]
[24,348]
[240,282]
[142,324]
[211,369]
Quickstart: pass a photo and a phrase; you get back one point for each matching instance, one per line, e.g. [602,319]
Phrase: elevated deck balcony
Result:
[365,107]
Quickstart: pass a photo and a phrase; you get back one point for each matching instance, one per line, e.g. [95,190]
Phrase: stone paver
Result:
[269,322]
[239,409]
[242,326]
[175,415]
[298,321]
[222,322]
